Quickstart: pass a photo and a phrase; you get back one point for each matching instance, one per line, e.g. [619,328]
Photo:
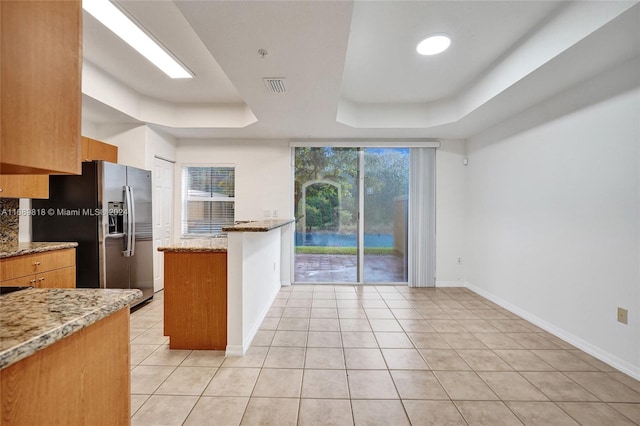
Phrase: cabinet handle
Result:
[36,263]
[41,278]
[33,281]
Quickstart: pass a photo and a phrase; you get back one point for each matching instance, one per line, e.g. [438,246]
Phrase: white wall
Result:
[263,174]
[554,223]
[451,195]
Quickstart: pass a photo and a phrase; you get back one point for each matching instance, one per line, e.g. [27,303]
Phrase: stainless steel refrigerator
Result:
[107,210]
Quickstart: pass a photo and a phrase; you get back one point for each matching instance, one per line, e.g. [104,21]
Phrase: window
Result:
[207,200]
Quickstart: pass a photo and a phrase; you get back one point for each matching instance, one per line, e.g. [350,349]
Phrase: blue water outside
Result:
[328,239]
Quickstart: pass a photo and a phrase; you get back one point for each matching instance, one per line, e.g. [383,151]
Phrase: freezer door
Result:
[142,260]
[114,266]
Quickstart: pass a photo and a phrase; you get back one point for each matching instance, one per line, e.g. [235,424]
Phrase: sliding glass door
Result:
[351,215]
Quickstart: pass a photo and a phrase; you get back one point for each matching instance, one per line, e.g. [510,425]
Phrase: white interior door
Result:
[162,216]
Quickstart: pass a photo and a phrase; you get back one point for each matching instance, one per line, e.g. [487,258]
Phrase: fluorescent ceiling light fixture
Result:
[113,18]
[434,44]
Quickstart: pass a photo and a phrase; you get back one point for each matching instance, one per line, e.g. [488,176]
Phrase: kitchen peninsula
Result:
[64,356]
[218,290]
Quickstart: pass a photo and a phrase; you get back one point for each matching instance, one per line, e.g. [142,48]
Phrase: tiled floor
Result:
[386,355]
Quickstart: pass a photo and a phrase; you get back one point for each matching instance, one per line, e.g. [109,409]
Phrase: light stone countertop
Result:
[32,319]
[201,245]
[258,226]
[11,250]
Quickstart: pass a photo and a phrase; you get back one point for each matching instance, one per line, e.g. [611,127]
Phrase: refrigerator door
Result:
[141,265]
[114,266]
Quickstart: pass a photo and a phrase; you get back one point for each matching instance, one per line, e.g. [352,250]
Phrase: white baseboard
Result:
[234,350]
[246,342]
[285,283]
[602,355]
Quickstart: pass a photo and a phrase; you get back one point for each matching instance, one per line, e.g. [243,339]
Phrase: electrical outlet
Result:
[275,213]
[622,315]
[267,213]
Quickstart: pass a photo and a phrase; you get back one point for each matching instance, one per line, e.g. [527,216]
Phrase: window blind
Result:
[208,199]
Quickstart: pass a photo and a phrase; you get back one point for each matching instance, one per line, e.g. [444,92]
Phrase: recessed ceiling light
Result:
[113,18]
[434,44]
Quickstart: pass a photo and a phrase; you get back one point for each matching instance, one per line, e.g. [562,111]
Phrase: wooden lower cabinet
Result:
[83,379]
[51,269]
[195,300]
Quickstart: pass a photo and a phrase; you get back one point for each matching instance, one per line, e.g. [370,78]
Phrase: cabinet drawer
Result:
[29,280]
[30,264]
[58,278]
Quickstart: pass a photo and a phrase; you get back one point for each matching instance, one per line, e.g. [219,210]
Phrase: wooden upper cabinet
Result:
[96,150]
[41,65]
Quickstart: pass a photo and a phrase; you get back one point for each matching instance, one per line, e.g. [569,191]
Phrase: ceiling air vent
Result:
[275,85]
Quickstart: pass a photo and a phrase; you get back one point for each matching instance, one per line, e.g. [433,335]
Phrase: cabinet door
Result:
[40,64]
[96,150]
[58,278]
[24,186]
[27,281]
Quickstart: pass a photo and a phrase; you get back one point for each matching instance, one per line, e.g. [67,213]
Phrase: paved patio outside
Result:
[342,268]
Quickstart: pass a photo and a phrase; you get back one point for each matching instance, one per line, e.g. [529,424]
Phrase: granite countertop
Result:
[258,226]
[32,319]
[11,250]
[201,245]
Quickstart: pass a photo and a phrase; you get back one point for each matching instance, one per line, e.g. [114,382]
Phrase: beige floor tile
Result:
[263,338]
[511,386]
[221,410]
[433,413]
[135,332]
[269,324]
[523,360]
[558,387]
[415,326]
[428,341]
[605,387]
[444,359]
[627,380]
[465,385]
[275,312]
[359,339]
[563,360]
[299,303]
[324,339]
[404,359]
[393,340]
[489,314]
[325,412]
[399,303]
[187,381]
[284,357]
[477,325]
[325,384]
[140,352]
[531,341]
[556,340]
[371,384]
[487,413]
[602,366]
[540,414]
[204,359]
[232,382]
[296,313]
[364,359]
[497,341]
[293,324]
[324,324]
[510,326]
[165,356]
[137,401]
[324,303]
[631,411]
[463,341]
[447,326]
[290,338]
[164,410]
[379,413]
[418,385]
[389,325]
[278,383]
[145,321]
[370,302]
[406,314]
[324,313]
[595,414]
[379,313]
[152,336]
[145,379]
[271,412]
[325,358]
[484,360]
[354,324]
[351,313]
[254,357]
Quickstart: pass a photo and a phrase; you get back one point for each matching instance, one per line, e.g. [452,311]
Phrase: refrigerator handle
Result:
[132,220]
[128,216]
